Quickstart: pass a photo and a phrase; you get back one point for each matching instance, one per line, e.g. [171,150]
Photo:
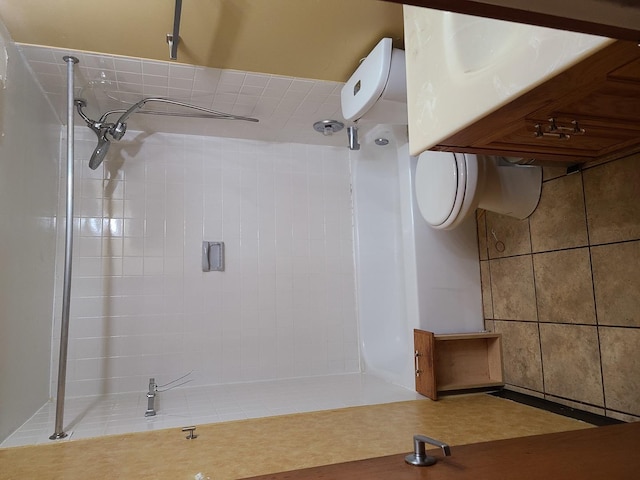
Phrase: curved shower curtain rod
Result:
[116,130]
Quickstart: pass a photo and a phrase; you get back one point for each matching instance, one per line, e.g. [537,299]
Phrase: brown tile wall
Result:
[563,288]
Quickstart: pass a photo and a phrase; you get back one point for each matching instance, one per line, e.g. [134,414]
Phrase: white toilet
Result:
[450,186]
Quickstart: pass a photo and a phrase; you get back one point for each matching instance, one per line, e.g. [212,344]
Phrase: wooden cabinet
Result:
[456,362]
[589,112]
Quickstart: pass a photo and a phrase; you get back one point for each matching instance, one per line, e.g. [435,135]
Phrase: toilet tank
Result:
[376,93]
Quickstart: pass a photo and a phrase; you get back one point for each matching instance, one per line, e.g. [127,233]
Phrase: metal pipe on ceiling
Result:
[174,38]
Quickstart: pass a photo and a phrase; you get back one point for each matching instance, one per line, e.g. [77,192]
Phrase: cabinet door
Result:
[566,135]
[425,373]
[601,94]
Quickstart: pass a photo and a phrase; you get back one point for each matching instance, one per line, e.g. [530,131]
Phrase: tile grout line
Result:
[535,292]
[593,292]
[486,237]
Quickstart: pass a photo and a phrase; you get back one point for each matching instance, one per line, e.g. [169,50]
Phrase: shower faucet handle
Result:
[419,456]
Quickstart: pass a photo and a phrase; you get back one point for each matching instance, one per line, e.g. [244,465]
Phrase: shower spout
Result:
[352,135]
[116,130]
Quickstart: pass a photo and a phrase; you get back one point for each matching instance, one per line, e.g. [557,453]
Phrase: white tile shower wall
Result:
[141,306]
[29,165]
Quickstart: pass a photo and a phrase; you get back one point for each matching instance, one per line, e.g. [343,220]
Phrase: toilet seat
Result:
[441,186]
[449,186]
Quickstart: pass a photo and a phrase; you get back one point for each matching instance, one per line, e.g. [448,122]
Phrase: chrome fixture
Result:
[116,131]
[154,389]
[174,38]
[560,132]
[419,457]
[151,398]
[191,431]
[381,142]
[352,134]
[328,127]
[68,252]
[212,256]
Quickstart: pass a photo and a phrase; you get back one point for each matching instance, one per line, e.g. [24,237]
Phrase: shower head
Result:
[100,128]
[116,130]
[100,152]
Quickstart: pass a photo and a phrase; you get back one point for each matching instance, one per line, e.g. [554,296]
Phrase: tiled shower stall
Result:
[142,306]
[276,332]
[277,193]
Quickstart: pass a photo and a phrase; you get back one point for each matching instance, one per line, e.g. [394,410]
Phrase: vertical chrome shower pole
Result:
[68,251]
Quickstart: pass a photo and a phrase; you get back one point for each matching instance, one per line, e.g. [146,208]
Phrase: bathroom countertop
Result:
[459,68]
[611,18]
[596,453]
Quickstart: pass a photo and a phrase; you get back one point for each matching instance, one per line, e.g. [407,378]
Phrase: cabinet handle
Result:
[559,132]
[417,363]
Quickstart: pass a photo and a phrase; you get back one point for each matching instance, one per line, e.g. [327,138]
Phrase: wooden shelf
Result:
[457,362]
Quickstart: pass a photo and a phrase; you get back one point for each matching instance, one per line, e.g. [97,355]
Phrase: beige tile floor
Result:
[570,269]
[245,448]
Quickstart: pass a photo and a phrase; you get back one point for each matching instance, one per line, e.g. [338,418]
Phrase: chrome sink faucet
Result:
[419,457]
